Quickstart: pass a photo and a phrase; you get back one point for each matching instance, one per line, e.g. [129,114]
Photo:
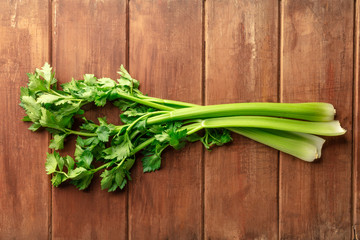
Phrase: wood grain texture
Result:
[24,198]
[241,179]
[238,191]
[165,55]
[317,65]
[356,144]
[89,37]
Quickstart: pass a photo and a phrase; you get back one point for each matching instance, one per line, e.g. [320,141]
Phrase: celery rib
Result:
[331,128]
[304,111]
[304,146]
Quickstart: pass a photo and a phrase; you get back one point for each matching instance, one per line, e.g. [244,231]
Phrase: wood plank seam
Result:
[127,62]
[203,97]
[354,103]
[50,8]
[356,115]
[280,99]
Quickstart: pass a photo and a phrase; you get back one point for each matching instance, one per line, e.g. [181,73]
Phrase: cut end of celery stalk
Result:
[337,130]
[326,110]
[315,140]
[304,146]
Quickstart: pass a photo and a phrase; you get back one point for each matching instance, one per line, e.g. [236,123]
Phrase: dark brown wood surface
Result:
[25,206]
[356,119]
[204,52]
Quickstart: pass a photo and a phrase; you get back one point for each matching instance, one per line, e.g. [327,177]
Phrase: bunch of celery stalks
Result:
[288,127]
[292,128]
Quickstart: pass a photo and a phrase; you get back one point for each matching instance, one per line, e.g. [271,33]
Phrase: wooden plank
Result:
[25,190]
[317,65]
[241,179]
[89,37]
[165,55]
[356,165]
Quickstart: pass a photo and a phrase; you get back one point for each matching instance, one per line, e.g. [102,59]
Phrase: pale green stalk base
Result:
[303,146]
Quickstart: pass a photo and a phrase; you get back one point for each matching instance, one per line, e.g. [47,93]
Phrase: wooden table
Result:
[204,52]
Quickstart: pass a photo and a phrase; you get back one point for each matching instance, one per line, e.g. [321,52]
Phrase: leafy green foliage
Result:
[36,83]
[126,82]
[46,73]
[32,108]
[103,133]
[51,162]
[81,178]
[123,105]
[151,162]
[83,156]
[47,98]
[217,137]
[55,164]
[58,141]
[169,134]
[132,114]
[88,125]
[102,146]
[121,148]
[173,135]
[34,127]
[114,178]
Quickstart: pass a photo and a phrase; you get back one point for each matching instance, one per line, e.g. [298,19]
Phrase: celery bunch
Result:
[150,125]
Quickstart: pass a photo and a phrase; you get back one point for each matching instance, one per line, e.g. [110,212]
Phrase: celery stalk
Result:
[304,146]
[304,111]
[331,128]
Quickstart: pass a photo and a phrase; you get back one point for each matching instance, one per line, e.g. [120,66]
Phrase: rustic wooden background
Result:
[204,52]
